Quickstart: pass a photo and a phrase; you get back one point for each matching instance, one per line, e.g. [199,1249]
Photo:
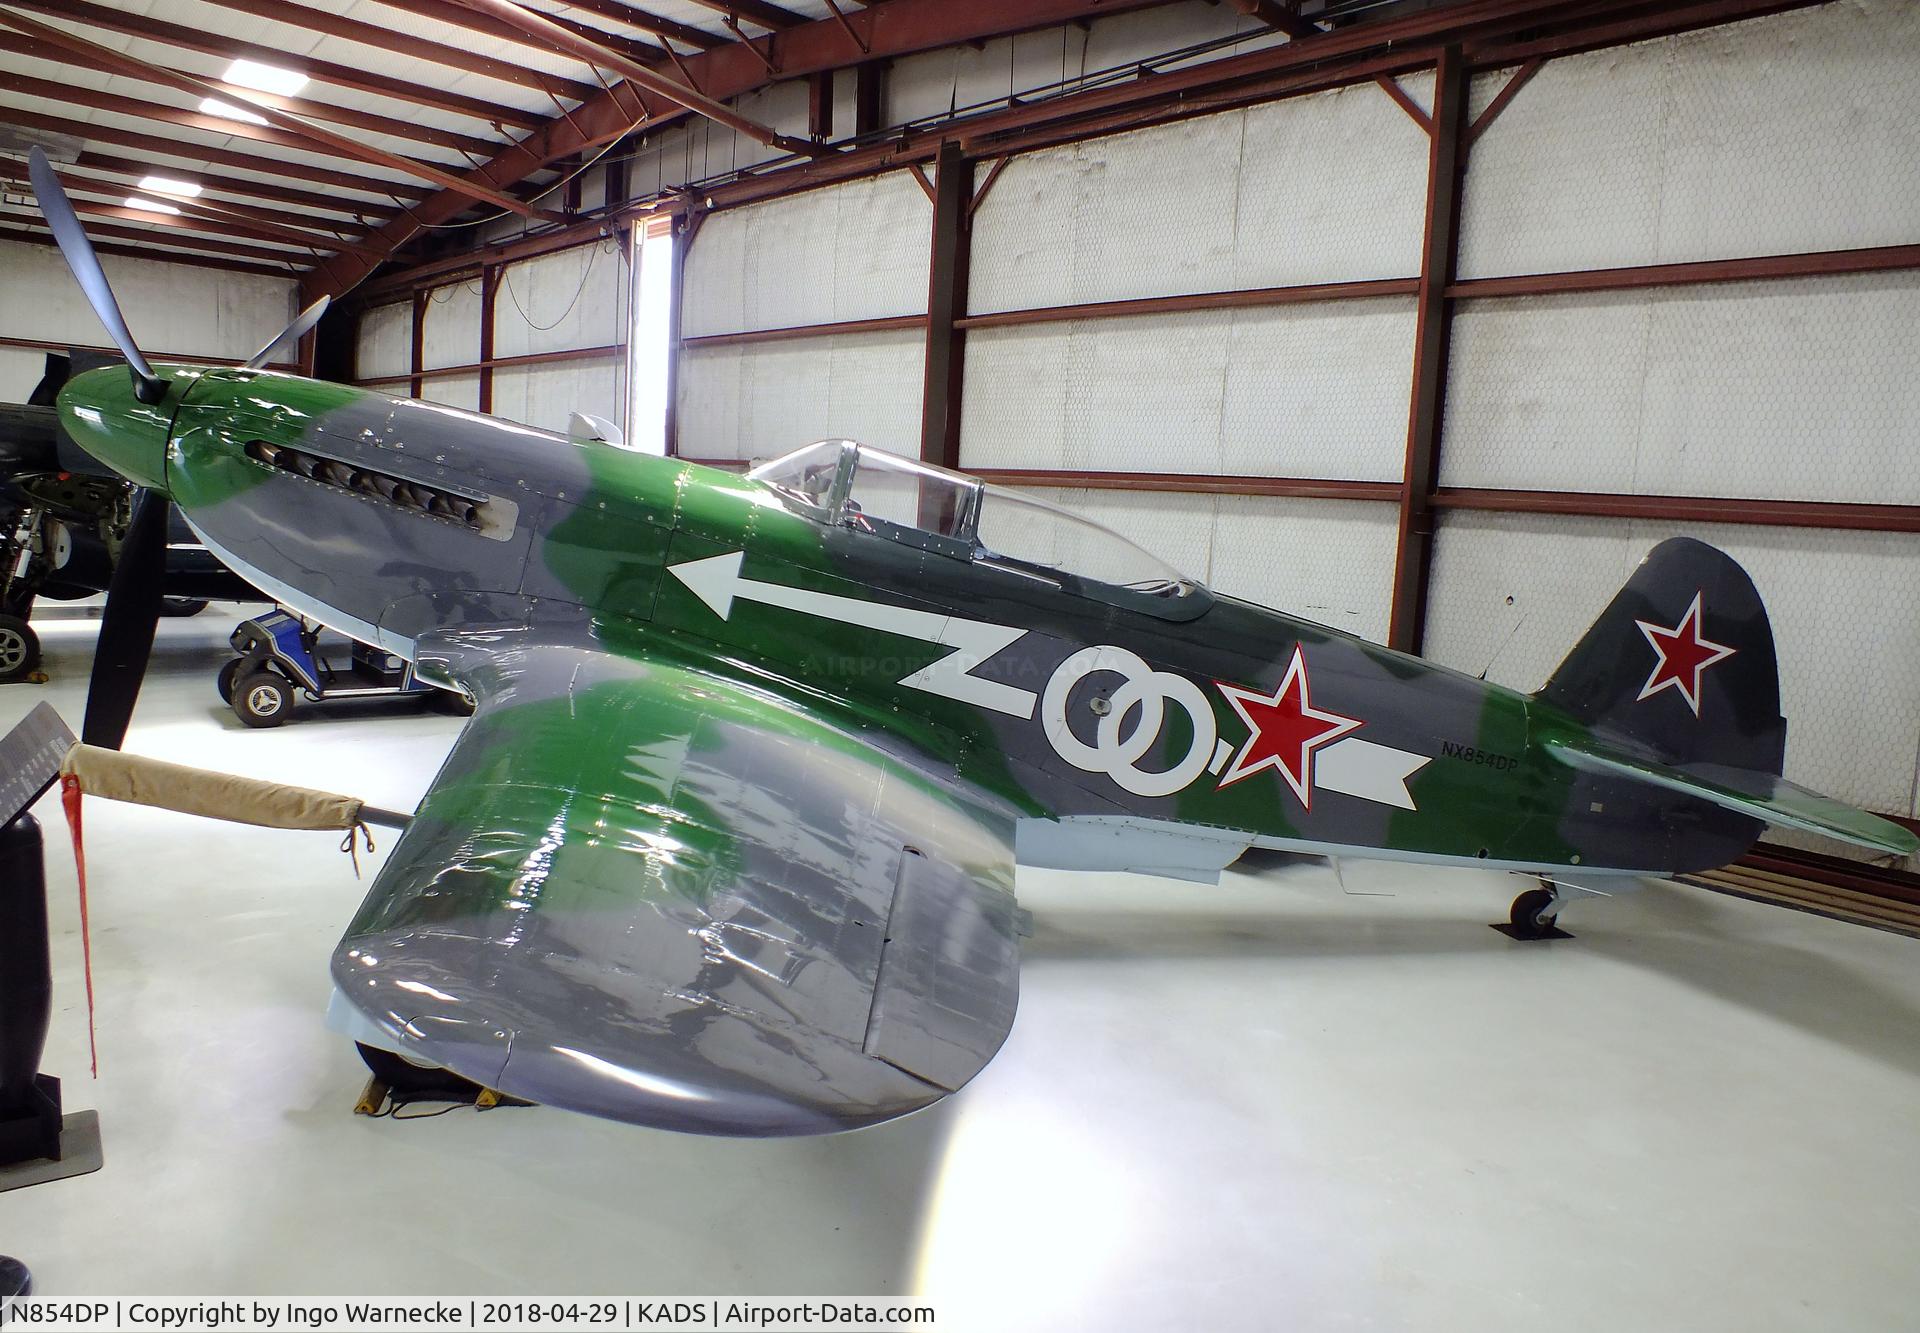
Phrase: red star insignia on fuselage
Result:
[1683,655]
[1283,730]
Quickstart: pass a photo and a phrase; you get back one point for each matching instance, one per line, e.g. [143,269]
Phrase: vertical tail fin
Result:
[1681,663]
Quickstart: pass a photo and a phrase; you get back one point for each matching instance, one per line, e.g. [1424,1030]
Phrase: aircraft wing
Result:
[658,895]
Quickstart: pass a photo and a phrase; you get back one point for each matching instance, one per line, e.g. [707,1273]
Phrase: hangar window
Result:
[650,252]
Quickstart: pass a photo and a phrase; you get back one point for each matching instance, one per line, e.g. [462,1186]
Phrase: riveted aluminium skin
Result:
[733,873]
[597,525]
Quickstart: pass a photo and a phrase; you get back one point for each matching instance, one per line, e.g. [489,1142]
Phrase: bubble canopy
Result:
[849,485]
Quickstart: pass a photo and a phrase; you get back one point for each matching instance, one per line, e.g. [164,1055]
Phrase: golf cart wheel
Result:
[182,606]
[223,682]
[19,649]
[262,699]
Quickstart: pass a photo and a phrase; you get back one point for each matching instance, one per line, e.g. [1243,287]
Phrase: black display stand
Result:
[29,1099]
[37,1142]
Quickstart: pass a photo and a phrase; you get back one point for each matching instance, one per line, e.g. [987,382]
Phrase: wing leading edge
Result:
[652,894]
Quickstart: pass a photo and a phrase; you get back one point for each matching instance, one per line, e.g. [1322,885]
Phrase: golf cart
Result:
[280,662]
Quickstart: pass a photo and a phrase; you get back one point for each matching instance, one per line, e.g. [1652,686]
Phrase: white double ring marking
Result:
[1144,689]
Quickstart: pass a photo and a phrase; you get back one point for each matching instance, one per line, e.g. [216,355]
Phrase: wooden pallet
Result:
[1862,906]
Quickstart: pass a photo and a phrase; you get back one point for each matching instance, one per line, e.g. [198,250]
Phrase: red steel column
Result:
[946,303]
[489,296]
[1439,255]
[416,358]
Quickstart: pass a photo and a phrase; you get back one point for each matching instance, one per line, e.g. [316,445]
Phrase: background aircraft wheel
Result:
[262,699]
[1531,915]
[19,649]
[182,606]
[223,682]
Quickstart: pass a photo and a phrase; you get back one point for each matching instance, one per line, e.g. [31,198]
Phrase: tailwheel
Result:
[1534,916]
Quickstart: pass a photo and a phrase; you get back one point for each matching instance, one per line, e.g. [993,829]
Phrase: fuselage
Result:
[1136,732]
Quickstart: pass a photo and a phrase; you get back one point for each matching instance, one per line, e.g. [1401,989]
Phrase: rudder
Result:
[1682,663]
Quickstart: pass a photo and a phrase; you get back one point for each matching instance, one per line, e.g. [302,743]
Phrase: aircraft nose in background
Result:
[102,414]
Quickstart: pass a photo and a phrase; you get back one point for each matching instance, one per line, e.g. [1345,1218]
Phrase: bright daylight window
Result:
[651,299]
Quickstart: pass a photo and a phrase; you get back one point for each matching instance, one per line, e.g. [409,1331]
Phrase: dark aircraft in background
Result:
[64,517]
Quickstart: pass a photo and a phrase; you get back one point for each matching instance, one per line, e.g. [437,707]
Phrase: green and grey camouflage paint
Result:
[728,846]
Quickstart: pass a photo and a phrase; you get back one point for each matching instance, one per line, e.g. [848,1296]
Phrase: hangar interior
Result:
[1422,321]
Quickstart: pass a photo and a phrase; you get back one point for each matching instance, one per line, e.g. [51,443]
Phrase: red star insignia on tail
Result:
[1683,655]
[1283,730]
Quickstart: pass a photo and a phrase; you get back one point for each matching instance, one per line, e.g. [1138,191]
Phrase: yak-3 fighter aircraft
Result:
[728,846]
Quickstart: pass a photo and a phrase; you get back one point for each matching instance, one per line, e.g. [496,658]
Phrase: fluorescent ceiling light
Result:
[168,185]
[150,205]
[213,106]
[264,78]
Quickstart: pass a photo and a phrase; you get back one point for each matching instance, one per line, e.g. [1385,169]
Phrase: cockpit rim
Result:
[1178,597]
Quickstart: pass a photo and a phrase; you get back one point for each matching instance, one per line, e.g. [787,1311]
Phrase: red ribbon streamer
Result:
[70,801]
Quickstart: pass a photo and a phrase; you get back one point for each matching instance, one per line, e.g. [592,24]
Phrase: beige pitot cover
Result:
[198,791]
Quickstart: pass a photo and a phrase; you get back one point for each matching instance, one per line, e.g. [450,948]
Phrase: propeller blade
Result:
[78,252]
[294,332]
[126,633]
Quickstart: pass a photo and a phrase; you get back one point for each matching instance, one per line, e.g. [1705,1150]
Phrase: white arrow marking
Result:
[1371,772]
[716,581]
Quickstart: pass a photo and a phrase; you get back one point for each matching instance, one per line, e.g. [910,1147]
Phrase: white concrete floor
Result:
[1270,1104]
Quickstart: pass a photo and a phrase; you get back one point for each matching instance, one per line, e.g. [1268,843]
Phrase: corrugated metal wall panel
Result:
[1325,188]
[1328,560]
[450,334]
[169,307]
[758,400]
[461,391]
[385,344]
[847,252]
[571,298]
[548,395]
[854,251]
[1313,390]
[1798,389]
[1783,134]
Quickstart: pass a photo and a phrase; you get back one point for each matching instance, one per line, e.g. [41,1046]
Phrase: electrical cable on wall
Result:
[506,281]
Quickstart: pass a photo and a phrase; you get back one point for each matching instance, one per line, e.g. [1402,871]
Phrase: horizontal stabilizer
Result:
[1760,795]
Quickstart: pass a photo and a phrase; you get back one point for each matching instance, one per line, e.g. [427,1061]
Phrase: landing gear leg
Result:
[1535,915]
